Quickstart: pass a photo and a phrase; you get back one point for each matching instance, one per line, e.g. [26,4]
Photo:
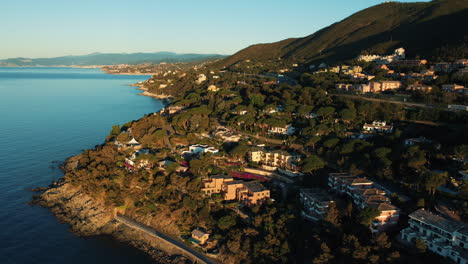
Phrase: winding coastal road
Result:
[150,231]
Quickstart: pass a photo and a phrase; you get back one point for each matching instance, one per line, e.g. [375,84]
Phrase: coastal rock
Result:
[70,205]
[88,216]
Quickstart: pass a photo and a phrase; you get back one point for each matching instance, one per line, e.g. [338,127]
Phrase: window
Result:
[462,244]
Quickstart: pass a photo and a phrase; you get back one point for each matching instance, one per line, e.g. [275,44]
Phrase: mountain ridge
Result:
[109,59]
[421,27]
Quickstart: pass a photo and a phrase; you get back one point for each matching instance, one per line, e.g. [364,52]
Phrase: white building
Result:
[286,130]
[201,78]
[442,236]
[398,54]
[379,126]
[197,149]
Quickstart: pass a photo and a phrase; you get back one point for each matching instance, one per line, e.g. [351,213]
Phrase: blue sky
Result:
[48,28]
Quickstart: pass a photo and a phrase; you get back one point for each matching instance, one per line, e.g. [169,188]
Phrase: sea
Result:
[46,116]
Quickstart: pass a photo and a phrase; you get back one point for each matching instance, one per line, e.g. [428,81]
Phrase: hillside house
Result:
[286,130]
[198,149]
[199,237]
[378,126]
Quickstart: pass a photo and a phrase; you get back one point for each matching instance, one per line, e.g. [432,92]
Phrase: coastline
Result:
[131,73]
[141,87]
[87,216]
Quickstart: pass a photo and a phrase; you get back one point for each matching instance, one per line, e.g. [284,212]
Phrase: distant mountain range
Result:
[109,59]
[428,29]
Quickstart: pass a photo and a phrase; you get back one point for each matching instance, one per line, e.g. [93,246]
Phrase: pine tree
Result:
[333,215]
[325,257]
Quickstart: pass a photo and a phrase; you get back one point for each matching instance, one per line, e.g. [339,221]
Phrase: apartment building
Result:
[442,236]
[315,203]
[253,193]
[249,193]
[276,158]
[366,193]
[384,86]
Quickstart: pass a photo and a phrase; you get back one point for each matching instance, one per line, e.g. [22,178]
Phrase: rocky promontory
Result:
[87,216]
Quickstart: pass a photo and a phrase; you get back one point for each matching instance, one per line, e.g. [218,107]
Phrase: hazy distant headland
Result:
[101,59]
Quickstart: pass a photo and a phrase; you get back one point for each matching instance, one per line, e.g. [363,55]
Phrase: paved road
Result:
[148,230]
[296,147]
[386,101]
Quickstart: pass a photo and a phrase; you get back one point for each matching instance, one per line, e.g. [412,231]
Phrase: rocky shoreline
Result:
[86,216]
[89,216]
[145,92]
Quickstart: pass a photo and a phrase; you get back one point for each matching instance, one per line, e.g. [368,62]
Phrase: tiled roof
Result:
[376,199]
[358,181]
[372,191]
[383,206]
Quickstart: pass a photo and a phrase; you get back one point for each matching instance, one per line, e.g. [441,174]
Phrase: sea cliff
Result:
[90,216]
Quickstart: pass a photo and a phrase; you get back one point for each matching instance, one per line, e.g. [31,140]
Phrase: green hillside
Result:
[428,29]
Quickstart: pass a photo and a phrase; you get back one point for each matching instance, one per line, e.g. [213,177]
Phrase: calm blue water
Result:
[47,115]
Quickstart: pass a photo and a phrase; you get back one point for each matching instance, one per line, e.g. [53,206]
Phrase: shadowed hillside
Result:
[424,29]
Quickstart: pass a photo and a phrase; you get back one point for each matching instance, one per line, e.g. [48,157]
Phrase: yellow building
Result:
[277,158]
[199,237]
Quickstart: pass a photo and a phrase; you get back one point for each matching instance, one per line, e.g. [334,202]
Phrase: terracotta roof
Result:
[382,206]
[372,191]
[359,181]
[376,199]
